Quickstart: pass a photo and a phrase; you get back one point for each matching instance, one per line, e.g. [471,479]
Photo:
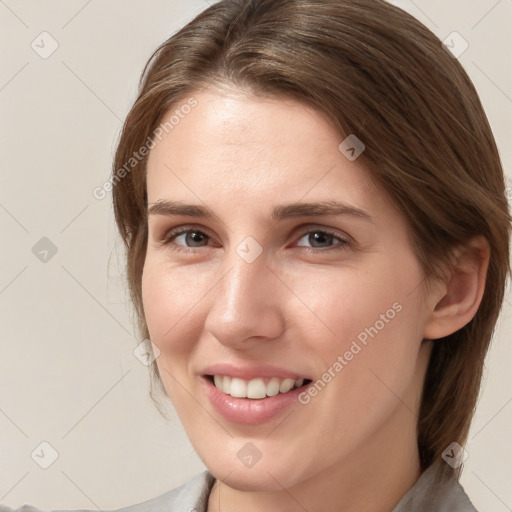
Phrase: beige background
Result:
[67,372]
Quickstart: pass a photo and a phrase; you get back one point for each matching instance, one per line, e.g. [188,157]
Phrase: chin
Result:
[252,480]
[262,477]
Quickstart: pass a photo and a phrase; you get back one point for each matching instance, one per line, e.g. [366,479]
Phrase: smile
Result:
[258,388]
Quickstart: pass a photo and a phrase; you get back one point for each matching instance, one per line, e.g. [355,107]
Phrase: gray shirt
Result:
[432,492]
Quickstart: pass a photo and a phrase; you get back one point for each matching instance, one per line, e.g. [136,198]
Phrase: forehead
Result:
[237,141]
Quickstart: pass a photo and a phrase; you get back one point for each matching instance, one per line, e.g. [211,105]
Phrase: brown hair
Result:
[376,72]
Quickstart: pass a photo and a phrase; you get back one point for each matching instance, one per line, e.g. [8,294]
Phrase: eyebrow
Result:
[281,212]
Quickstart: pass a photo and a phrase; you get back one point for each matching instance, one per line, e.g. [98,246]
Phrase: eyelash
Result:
[174,233]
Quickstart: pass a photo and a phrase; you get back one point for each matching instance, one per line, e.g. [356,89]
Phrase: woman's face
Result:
[273,262]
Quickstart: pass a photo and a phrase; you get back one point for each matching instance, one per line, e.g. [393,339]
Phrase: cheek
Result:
[372,320]
[169,298]
[365,369]
[342,304]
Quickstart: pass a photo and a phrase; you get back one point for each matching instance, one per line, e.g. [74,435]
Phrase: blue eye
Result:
[320,239]
[191,238]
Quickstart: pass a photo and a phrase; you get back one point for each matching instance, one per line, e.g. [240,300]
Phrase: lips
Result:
[251,394]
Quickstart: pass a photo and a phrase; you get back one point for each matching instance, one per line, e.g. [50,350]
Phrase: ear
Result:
[460,293]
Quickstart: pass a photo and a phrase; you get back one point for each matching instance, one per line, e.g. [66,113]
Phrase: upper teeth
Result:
[255,388]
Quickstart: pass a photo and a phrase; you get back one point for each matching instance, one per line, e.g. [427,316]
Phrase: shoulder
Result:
[437,490]
[193,495]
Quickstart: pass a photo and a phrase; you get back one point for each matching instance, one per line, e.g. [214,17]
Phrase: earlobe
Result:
[462,291]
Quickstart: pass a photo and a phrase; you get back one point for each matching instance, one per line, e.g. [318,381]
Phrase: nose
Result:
[246,304]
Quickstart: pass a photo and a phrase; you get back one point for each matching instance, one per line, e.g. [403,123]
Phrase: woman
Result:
[317,245]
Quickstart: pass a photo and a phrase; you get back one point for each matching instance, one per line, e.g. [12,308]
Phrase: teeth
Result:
[255,388]
[273,386]
[238,388]
[286,385]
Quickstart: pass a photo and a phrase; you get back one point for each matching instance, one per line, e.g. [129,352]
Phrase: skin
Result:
[353,446]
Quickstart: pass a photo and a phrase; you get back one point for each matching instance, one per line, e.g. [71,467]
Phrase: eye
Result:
[186,238]
[316,240]
[321,239]
[192,238]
